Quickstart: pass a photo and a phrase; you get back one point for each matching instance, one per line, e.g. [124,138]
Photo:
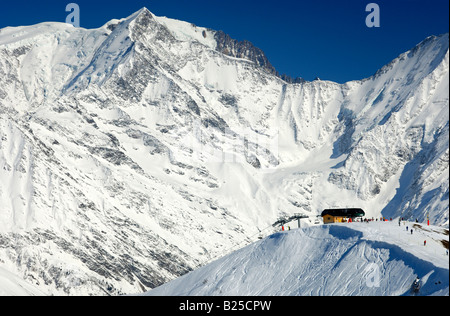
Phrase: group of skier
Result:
[400,220]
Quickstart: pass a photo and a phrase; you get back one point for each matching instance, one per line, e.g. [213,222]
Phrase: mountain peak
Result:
[425,55]
[143,12]
[217,40]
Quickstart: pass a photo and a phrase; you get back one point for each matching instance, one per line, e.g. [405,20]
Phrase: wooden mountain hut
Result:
[340,215]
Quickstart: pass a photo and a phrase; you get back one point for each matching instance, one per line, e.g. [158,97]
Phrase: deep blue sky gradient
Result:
[315,38]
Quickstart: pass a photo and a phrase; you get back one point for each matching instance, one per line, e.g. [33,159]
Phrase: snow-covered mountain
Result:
[376,258]
[132,153]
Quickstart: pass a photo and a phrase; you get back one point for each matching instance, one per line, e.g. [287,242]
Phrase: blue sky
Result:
[325,39]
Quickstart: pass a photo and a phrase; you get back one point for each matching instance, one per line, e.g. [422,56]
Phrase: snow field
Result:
[376,258]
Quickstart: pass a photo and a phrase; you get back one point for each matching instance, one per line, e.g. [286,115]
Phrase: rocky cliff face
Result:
[246,50]
[242,49]
[132,153]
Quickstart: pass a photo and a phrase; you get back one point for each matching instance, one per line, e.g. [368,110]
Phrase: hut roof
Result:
[347,212]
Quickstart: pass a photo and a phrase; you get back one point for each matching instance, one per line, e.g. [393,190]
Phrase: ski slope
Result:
[376,258]
[13,285]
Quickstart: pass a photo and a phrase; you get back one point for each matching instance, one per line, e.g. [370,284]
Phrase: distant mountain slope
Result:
[379,258]
[13,285]
[132,153]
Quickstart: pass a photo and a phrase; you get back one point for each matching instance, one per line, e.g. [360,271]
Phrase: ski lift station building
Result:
[340,215]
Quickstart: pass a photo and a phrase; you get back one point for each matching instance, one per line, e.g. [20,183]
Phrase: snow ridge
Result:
[378,258]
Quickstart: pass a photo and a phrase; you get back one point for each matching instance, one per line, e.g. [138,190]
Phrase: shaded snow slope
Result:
[378,258]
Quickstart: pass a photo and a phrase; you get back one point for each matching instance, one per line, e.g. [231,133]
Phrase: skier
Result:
[411,231]
[406,228]
[424,242]
[416,285]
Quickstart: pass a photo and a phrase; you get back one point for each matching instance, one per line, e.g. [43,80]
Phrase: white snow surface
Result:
[13,285]
[133,153]
[345,259]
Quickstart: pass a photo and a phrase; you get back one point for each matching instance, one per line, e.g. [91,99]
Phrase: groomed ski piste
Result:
[378,258]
